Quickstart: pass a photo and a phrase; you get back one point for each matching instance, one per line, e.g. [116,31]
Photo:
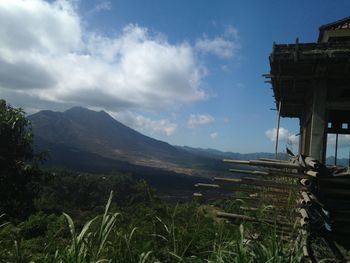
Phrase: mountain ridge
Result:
[98,133]
[85,131]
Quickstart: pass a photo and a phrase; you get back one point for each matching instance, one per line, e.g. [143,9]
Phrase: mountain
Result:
[92,141]
[216,154]
[340,161]
[83,131]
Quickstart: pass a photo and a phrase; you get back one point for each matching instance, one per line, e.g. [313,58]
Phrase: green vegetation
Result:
[17,162]
[135,226]
[59,216]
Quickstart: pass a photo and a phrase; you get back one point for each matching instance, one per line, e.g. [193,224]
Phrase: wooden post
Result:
[278,128]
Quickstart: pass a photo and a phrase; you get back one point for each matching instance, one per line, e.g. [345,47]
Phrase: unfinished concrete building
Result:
[311,81]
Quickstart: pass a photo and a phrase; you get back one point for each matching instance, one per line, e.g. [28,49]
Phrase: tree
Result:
[16,162]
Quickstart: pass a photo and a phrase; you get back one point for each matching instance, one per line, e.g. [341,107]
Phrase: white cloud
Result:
[199,119]
[217,46]
[102,6]
[283,135]
[343,140]
[214,135]
[224,46]
[47,57]
[226,120]
[38,27]
[144,124]
[231,31]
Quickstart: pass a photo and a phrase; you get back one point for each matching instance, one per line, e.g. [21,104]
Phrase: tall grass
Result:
[181,233]
[271,249]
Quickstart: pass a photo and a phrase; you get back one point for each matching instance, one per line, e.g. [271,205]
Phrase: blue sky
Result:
[185,72]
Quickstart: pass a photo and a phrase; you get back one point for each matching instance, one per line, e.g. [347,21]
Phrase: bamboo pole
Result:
[265,163]
[260,191]
[312,163]
[306,199]
[275,203]
[305,182]
[258,182]
[278,127]
[273,160]
[238,188]
[312,173]
[247,208]
[303,223]
[271,183]
[250,219]
[271,173]
[304,215]
[216,186]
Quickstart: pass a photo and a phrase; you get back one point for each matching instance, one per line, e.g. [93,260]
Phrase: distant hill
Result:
[216,154]
[92,141]
[98,132]
[340,161]
[81,130]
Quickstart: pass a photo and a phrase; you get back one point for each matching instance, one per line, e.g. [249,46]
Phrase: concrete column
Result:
[318,134]
[302,135]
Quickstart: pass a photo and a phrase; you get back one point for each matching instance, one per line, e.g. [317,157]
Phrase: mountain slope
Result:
[216,154]
[81,129]
[97,132]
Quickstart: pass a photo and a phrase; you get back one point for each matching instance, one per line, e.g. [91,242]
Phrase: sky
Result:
[184,72]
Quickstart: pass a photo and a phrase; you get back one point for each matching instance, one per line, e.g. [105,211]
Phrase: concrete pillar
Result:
[318,134]
[302,135]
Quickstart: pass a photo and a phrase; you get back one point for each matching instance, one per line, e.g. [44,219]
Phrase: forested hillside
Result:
[63,216]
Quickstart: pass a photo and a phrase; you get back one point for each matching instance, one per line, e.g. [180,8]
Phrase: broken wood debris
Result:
[323,206]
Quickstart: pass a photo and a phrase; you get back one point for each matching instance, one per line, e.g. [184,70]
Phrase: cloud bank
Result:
[48,57]
[283,135]
[199,119]
[214,135]
[225,46]
[142,123]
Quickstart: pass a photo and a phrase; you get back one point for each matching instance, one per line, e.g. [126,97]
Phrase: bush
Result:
[16,167]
